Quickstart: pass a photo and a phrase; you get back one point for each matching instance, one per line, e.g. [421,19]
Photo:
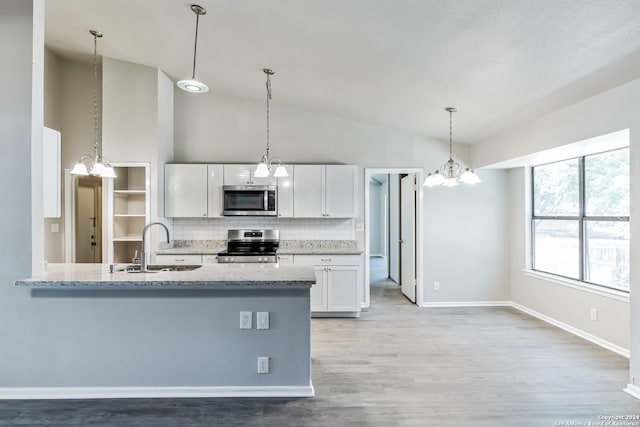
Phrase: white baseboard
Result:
[152,392]
[633,390]
[466,304]
[582,334]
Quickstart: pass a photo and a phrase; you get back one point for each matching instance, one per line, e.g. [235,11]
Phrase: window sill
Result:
[576,284]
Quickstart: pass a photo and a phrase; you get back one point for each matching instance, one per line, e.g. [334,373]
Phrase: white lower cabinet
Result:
[337,290]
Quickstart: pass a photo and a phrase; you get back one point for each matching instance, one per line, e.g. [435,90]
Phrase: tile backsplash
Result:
[290,228]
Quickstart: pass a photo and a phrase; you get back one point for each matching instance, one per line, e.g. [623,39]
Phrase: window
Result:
[580,219]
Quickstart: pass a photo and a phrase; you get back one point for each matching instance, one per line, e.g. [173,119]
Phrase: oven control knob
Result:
[261,259]
[232,259]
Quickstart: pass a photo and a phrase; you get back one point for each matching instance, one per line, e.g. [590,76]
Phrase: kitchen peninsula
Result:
[196,333]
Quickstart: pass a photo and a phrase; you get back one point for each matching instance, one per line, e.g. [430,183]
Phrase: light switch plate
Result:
[263,365]
[262,320]
[245,319]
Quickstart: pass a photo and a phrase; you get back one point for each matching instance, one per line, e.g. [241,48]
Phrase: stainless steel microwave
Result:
[248,200]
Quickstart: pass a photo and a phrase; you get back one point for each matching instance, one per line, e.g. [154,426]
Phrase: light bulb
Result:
[79,169]
[280,172]
[262,171]
[437,178]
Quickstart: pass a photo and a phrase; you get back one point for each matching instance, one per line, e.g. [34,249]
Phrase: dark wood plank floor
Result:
[399,365]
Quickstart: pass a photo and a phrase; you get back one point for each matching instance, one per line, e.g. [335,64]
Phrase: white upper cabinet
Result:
[214,190]
[285,194]
[310,191]
[323,191]
[308,184]
[341,191]
[185,190]
[243,175]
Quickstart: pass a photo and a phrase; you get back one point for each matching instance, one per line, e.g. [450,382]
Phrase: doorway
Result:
[392,251]
[88,219]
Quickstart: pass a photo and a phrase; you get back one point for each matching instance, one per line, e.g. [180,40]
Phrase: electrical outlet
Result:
[594,314]
[263,365]
[436,286]
[245,319]
[262,320]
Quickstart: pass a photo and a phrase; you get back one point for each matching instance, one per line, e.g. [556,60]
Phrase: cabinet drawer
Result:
[328,259]
[178,259]
[209,259]
[285,259]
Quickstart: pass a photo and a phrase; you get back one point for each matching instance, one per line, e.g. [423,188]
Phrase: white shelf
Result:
[129,210]
[128,239]
[126,192]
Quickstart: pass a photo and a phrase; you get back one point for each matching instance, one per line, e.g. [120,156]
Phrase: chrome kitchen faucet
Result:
[144,256]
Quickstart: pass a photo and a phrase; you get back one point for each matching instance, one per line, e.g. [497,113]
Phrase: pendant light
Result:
[264,167]
[448,174]
[98,165]
[192,85]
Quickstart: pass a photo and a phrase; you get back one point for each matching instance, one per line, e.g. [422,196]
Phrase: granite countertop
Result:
[209,276]
[287,247]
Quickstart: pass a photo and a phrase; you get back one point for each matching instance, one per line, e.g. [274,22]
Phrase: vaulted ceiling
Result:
[394,63]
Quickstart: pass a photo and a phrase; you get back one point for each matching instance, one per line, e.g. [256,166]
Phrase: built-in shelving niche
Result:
[129,211]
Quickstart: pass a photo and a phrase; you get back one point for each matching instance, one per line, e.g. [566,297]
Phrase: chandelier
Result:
[98,166]
[264,167]
[450,174]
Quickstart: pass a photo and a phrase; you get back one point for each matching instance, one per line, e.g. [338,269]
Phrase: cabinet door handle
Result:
[204,214]
[325,259]
[179,259]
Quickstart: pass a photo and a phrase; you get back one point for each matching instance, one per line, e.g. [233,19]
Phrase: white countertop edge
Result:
[208,276]
[198,251]
[173,285]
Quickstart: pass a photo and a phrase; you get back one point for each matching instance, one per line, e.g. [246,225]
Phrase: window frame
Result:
[582,220]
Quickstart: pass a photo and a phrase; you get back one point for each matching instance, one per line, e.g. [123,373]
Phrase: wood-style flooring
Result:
[400,365]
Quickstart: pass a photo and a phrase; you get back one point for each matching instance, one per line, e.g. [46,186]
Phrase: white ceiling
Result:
[396,63]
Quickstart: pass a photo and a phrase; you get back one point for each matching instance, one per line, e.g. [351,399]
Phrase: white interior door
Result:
[408,236]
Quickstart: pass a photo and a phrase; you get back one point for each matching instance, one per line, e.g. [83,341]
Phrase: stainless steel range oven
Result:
[250,246]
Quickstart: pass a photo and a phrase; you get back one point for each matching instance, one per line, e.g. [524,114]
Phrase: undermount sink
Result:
[157,268]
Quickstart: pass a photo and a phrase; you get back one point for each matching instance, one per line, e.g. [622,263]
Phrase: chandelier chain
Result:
[450,134]
[195,47]
[97,152]
[268,99]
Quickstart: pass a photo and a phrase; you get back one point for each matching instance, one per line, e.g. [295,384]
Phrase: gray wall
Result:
[467,257]
[471,265]
[160,338]
[377,225]
[610,111]
[137,123]
[16,309]
[68,107]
